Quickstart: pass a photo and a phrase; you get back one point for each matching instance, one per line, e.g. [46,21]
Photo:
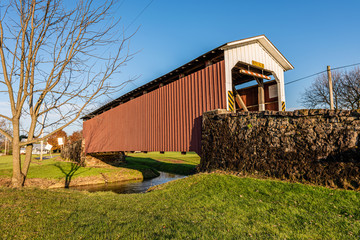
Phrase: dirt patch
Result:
[173,160]
[30,182]
[80,181]
[39,182]
[102,178]
[105,159]
[5,182]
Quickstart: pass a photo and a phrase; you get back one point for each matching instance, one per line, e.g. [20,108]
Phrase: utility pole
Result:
[42,135]
[330,88]
[5,145]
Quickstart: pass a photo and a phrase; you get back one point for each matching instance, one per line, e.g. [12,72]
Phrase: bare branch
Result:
[63,56]
[346,89]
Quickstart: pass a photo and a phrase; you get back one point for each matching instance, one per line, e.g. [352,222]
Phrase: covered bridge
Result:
[165,114]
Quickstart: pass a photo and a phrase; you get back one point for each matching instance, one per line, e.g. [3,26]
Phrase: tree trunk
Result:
[17,177]
[27,161]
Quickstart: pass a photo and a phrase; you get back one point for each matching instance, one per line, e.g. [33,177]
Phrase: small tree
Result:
[53,140]
[56,57]
[75,136]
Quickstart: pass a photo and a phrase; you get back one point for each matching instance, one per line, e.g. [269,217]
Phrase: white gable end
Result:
[248,52]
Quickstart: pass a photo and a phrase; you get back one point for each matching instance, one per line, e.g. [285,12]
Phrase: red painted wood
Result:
[250,97]
[166,119]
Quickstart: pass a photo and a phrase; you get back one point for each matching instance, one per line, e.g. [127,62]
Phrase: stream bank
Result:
[134,186]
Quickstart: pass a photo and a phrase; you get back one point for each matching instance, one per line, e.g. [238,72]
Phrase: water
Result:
[131,186]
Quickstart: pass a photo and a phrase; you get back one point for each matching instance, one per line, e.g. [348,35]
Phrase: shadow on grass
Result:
[176,168]
[74,167]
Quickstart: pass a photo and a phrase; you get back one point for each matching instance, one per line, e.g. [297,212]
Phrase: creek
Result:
[136,186]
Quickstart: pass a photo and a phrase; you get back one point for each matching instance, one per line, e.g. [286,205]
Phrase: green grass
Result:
[6,161]
[203,206]
[51,169]
[138,166]
[172,162]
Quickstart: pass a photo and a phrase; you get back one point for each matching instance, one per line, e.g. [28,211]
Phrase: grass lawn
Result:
[172,162]
[138,166]
[54,169]
[49,168]
[202,206]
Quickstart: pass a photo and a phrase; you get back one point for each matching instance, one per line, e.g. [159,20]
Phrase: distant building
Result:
[37,149]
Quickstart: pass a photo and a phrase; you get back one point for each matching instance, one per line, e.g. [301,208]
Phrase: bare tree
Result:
[317,95]
[346,87]
[351,89]
[56,58]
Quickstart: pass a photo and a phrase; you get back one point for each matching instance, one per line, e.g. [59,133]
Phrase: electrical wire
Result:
[297,80]
[142,11]
[351,65]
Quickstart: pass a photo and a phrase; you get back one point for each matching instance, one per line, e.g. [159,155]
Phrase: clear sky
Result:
[310,34]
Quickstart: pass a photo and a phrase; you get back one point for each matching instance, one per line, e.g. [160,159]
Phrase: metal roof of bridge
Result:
[213,56]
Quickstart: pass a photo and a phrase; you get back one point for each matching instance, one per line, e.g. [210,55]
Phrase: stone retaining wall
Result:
[314,146]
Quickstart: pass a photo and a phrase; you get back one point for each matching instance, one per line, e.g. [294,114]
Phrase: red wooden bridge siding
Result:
[166,119]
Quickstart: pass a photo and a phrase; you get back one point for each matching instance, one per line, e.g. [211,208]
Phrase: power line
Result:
[297,80]
[351,65]
[142,11]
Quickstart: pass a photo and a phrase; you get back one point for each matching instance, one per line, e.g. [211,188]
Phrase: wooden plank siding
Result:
[165,119]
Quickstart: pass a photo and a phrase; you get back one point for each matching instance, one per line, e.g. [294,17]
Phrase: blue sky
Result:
[310,34]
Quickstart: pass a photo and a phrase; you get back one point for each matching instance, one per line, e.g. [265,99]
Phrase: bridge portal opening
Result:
[254,88]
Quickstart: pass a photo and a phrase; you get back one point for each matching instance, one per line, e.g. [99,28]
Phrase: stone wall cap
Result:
[295,113]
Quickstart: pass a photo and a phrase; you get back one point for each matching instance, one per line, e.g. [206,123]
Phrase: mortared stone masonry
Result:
[314,146]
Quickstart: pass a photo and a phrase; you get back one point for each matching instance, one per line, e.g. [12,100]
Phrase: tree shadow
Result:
[117,159]
[137,163]
[68,173]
